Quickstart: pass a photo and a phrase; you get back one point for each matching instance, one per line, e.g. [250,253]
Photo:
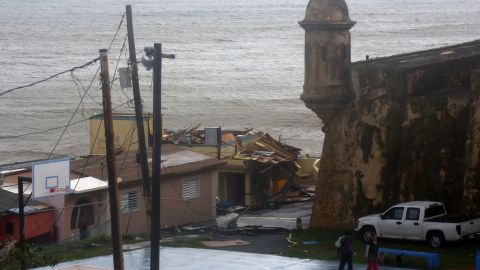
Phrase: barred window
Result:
[129,201]
[191,188]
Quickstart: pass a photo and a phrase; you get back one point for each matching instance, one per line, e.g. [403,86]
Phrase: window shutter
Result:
[129,201]
[191,188]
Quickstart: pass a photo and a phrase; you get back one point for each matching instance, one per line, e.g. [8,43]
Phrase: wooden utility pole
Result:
[112,175]
[156,157]
[142,148]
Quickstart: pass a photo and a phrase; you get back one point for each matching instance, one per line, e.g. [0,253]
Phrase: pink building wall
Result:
[175,210]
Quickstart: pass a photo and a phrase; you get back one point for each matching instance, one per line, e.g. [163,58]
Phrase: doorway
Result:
[231,188]
[82,217]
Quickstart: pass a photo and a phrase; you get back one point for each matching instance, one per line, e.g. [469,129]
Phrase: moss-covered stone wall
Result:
[390,146]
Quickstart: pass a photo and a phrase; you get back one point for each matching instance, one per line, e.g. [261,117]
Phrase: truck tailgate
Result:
[470,226]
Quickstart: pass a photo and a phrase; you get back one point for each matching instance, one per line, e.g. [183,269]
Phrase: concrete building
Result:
[188,187]
[188,190]
[77,214]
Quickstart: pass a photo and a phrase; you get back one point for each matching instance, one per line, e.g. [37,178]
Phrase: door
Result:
[391,223]
[412,225]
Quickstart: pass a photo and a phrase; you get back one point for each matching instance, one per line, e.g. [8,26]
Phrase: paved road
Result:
[203,259]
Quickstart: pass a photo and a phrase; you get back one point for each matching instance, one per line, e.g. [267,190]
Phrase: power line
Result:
[58,127]
[71,118]
[98,130]
[86,92]
[51,77]
[116,66]
[68,70]
[78,83]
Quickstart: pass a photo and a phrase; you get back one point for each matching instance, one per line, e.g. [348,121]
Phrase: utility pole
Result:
[138,107]
[156,157]
[157,154]
[112,176]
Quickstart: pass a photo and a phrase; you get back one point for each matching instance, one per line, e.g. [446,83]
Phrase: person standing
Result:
[346,251]
[371,252]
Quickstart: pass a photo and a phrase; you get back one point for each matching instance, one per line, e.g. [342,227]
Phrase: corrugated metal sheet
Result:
[87,184]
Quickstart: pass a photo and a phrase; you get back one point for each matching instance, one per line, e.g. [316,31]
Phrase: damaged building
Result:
[399,128]
[258,169]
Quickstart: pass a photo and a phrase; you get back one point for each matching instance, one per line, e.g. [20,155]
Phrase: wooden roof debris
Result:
[265,149]
[195,135]
[249,144]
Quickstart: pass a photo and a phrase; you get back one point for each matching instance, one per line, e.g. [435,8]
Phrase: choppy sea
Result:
[239,63]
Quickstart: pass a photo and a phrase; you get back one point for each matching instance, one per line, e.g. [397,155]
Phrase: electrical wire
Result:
[86,91]
[78,89]
[98,130]
[71,118]
[78,83]
[58,127]
[50,77]
[116,66]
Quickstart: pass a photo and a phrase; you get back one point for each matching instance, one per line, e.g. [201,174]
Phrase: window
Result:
[191,188]
[394,213]
[129,201]
[435,210]
[9,228]
[413,213]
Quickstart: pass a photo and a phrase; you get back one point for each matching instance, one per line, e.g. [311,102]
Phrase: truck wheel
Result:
[436,239]
[366,233]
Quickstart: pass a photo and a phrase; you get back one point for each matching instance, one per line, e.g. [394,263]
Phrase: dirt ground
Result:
[263,243]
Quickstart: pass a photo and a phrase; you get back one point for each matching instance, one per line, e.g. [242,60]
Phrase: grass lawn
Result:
[458,255]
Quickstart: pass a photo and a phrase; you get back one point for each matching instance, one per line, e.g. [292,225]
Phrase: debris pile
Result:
[265,149]
[267,160]
[196,136]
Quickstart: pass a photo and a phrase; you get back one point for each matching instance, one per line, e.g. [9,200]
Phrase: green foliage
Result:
[31,257]
[53,253]
[456,255]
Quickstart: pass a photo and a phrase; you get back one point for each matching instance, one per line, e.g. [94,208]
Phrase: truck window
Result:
[413,214]
[394,213]
[435,210]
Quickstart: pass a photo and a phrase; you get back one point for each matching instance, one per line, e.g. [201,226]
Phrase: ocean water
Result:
[239,63]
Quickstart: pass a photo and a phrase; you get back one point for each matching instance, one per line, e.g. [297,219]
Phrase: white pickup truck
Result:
[418,220]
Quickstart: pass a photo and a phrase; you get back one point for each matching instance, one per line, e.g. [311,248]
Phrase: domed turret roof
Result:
[327,11]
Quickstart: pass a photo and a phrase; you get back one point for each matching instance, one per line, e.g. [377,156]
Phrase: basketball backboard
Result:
[51,177]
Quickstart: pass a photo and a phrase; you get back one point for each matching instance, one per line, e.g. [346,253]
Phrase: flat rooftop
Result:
[421,58]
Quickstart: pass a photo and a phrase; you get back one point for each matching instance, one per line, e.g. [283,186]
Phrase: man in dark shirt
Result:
[346,251]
